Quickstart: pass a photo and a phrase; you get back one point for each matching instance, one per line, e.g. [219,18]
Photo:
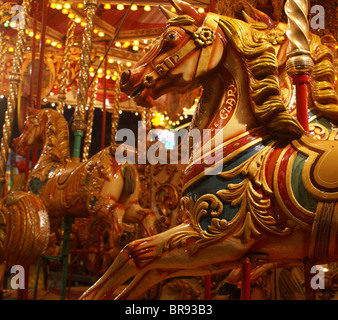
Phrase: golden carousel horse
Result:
[276,193]
[98,187]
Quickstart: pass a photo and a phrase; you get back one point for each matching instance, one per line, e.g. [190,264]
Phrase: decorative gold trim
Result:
[289,187]
[324,233]
[252,195]
[278,195]
[226,159]
[316,150]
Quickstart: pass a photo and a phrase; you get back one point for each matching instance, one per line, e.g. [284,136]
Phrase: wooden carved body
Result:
[275,193]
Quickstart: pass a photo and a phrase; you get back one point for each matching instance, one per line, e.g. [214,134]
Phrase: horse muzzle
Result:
[132,84]
[19,147]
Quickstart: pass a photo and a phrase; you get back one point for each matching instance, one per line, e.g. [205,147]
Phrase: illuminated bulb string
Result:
[111,43]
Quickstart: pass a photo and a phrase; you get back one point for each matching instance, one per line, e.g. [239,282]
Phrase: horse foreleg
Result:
[145,280]
[167,259]
[133,258]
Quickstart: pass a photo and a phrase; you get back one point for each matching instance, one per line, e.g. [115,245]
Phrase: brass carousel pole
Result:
[299,66]
[89,127]
[79,123]
[3,50]
[116,106]
[41,66]
[66,66]
[15,80]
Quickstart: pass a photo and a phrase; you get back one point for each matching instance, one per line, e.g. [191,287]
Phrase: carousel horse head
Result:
[190,37]
[32,133]
[193,49]
[45,127]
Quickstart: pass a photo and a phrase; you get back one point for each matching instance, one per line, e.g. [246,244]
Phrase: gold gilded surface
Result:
[319,176]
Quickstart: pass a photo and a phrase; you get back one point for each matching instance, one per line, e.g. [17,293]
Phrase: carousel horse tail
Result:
[24,228]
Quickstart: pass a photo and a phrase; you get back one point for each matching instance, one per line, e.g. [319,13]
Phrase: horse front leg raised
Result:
[164,259]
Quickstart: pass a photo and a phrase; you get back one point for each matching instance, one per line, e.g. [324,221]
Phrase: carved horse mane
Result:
[56,135]
[259,59]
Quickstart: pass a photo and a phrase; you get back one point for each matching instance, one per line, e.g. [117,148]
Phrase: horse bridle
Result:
[201,38]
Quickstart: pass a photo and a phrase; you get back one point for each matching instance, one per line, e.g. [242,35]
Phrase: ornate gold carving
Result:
[319,131]
[324,233]
[85,61]
[89,127]
[252,197]
[66,65]
[204,36]
[299,56]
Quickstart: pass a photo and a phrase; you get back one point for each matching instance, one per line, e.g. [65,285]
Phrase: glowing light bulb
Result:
[120,7]
[134,7]
[147,7]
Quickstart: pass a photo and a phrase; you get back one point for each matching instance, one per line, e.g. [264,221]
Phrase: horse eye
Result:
[171,36]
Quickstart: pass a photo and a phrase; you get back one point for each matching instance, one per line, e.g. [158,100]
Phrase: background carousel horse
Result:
[277,190]
[24,231]
[99,186]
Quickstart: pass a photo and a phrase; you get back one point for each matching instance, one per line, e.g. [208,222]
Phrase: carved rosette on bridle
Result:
[204,37]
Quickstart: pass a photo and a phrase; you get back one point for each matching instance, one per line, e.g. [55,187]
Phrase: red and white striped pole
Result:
[299,64]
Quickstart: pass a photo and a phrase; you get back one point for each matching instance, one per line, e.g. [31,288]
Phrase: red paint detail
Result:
[283,190]
[198,168]
[301,82]
[207,287]
[246,270]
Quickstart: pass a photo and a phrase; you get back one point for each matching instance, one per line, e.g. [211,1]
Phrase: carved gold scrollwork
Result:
[318,131]
[251,195]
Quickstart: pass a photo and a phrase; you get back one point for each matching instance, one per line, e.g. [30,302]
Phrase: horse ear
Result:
[167,13]
[260,16]
[186,8]
[247,18]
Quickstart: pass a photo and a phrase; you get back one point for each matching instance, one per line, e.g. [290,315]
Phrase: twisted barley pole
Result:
[299,64]
[3,50]
[116,106]
[14,82]
[79,123]
[66,66]
[88,136]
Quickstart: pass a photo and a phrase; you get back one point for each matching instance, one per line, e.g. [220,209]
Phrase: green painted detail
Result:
[77,143]
[301,194]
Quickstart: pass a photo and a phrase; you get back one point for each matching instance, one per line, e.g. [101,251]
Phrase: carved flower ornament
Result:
[204,36]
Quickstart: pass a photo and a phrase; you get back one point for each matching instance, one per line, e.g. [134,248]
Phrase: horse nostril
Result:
[125,76]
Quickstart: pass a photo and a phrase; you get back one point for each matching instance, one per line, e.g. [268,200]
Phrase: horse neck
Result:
[225,102]
[55,148]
